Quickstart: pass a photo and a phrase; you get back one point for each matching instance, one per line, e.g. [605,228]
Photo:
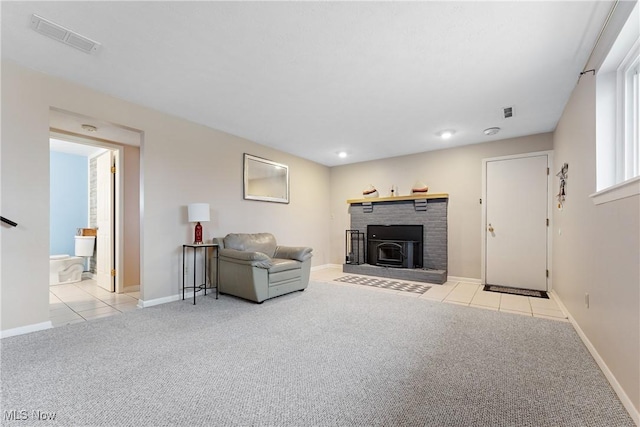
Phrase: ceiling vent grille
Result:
[508,112]
[64,35]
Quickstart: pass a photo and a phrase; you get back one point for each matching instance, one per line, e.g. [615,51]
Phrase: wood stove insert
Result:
[398,246]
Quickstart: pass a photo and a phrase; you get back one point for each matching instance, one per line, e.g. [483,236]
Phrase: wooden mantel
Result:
[399,198]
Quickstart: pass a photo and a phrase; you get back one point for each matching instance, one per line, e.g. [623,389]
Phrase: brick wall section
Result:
[434,220]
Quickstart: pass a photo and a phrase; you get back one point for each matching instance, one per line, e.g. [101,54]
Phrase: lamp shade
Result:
[198,212]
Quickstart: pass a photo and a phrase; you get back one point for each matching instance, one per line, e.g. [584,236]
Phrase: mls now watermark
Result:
[24,415]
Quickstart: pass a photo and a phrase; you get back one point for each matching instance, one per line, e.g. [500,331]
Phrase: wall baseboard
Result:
[171,298]
[626,401]
[26,329]
[158,301]
[325,266]
[464,279]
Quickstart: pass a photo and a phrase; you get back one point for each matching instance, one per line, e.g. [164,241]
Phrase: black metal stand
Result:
[203,286]
[354,247]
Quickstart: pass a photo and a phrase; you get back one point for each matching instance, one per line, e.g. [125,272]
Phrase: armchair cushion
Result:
[280,264]
[254,259]
[259,242]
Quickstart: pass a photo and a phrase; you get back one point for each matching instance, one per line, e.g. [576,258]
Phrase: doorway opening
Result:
[105,204]
[82,206]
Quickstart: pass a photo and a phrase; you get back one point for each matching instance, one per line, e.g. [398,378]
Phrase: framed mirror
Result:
[265,180]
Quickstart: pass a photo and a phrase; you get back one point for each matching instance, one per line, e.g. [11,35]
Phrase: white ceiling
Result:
[375,79]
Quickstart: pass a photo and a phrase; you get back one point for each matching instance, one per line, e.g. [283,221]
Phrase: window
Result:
[628,77]
[618,114]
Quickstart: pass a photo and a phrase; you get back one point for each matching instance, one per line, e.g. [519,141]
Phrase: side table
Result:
[203,286]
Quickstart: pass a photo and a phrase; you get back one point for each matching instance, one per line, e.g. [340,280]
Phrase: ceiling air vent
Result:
[507,112]
[64,35]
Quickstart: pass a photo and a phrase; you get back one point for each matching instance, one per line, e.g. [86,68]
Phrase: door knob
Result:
[490,228]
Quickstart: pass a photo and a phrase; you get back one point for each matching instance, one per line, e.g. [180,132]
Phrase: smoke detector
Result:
[62,34]
[491,131]
[90,128]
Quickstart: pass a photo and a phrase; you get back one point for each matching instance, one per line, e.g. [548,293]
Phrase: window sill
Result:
[629,188]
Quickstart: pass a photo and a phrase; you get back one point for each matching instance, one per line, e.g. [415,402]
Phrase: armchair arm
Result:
[298,253]
[254,259]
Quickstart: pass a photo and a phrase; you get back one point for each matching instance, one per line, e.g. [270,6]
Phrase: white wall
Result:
[456,171]
[598,251]
[181,162]
[24,198]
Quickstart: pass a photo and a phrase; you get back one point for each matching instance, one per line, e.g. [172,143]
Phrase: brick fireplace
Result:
[425,211]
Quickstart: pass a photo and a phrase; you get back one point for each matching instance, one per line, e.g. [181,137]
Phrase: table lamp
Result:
[198,212]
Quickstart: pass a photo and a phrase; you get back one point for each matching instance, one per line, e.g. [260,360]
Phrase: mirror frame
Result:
[250,161]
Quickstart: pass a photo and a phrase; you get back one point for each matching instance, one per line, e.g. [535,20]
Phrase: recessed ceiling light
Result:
[446,134]
[491,131]
[342,154]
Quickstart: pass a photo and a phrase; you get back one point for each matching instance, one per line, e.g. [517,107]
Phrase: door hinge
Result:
[113,169]
[547,222]
[547,171]
[547,273]
[113,273]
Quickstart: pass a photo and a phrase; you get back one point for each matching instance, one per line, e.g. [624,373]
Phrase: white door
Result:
[104,241]
[516,222]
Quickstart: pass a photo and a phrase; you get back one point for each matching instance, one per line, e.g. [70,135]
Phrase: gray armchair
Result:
[254,267]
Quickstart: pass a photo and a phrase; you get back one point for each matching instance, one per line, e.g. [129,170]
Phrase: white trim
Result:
[158,301]
[483,228]
[172,298]
[626,401]
[464,279]
[629,188]
[119,219]
[325,266]
[617,142]
[26,329]
[620,13]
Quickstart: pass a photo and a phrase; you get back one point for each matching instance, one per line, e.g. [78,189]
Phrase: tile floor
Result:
[463,293]
[82,301]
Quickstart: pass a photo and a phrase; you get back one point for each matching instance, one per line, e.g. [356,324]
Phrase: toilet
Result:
[65,269]
[68,269]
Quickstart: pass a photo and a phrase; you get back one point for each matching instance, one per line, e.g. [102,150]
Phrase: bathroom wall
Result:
[69,200]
